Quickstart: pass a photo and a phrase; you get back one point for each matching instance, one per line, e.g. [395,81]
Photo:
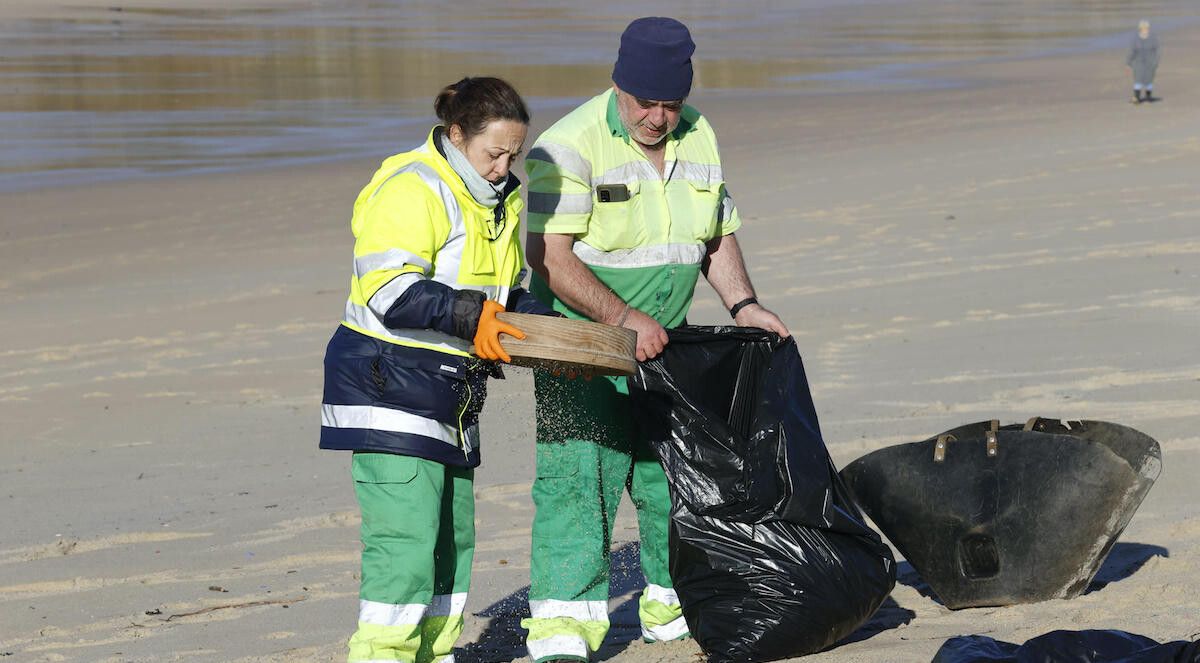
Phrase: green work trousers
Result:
[418,538]
[587,456]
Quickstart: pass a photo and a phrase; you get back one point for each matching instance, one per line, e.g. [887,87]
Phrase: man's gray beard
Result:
[656,143]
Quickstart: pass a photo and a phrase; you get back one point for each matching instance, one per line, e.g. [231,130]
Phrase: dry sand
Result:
[1024,246]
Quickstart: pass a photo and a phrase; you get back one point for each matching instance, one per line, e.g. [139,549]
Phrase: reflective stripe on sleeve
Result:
[384,298]
[642,256]
[390,259]
[363,319]
[450,256]
[563,158]
[725,210]
[369,321]
[559,203]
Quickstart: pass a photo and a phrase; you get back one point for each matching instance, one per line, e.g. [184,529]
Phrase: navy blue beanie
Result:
[655,60]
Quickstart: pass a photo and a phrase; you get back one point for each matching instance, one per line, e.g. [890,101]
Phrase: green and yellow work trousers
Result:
[418,537]
[587,456]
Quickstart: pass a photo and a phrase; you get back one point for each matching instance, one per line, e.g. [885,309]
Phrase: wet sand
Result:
[99,91]
[1023,246]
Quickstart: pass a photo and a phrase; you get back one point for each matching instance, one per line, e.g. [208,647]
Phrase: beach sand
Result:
[1027,244]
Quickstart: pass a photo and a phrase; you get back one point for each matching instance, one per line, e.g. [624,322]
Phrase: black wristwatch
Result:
[733,311]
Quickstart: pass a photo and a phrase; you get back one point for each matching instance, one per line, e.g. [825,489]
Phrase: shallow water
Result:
[117,93]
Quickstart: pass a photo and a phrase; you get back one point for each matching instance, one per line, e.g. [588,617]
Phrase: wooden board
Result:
[560,343]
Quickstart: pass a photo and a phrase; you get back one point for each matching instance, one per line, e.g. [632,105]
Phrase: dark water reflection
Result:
[124,93]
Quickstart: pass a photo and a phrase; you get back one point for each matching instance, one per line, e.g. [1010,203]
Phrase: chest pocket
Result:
[694,209]
[478,256]
[618,224]
[492,254]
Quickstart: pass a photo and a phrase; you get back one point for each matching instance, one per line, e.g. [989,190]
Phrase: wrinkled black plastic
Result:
[1031,522]
[769,556]
[1091,646]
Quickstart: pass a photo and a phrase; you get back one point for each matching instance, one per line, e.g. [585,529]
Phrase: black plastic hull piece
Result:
[1005,515]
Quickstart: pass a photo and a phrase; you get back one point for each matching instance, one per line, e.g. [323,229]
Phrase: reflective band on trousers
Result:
[594,611]
[444,605]
[444,659]
[388,614]
[658,603]
[558,645]
[672,631]
[664,595]
[642,256]
[396,421]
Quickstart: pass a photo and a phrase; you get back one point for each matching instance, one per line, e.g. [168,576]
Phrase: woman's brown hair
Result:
[473,103]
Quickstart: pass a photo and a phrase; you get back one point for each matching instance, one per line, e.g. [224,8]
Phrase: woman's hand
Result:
[487,335]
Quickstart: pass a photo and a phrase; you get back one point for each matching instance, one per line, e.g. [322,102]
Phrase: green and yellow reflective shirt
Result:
[647,248]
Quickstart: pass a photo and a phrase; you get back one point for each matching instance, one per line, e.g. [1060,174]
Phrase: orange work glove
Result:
[487,335]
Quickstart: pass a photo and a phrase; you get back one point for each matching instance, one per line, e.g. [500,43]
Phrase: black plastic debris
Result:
[769,555]
[1091,646]
[994,515]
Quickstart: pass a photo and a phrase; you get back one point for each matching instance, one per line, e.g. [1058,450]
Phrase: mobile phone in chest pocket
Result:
[612,193]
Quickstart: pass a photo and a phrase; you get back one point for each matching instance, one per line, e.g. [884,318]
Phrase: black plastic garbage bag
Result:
[769,556]
[996,515]
[1091,646]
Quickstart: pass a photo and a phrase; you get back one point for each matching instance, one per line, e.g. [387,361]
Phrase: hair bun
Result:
[472,103]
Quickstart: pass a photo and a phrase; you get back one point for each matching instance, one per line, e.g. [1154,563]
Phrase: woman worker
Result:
[436,256]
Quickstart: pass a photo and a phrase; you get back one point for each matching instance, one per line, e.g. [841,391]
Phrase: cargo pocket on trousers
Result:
[557,468]
[367,467]
[389,495]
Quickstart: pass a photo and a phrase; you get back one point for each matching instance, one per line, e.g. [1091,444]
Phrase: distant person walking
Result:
[1143,60]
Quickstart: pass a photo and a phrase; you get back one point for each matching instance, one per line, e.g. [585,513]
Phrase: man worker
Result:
[627,208]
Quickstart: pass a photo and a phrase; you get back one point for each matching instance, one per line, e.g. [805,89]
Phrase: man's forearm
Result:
[726,270]
[571,281]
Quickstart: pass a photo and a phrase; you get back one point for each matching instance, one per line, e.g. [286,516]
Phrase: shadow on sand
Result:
[1124,560]
[504,640]
[890,615]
